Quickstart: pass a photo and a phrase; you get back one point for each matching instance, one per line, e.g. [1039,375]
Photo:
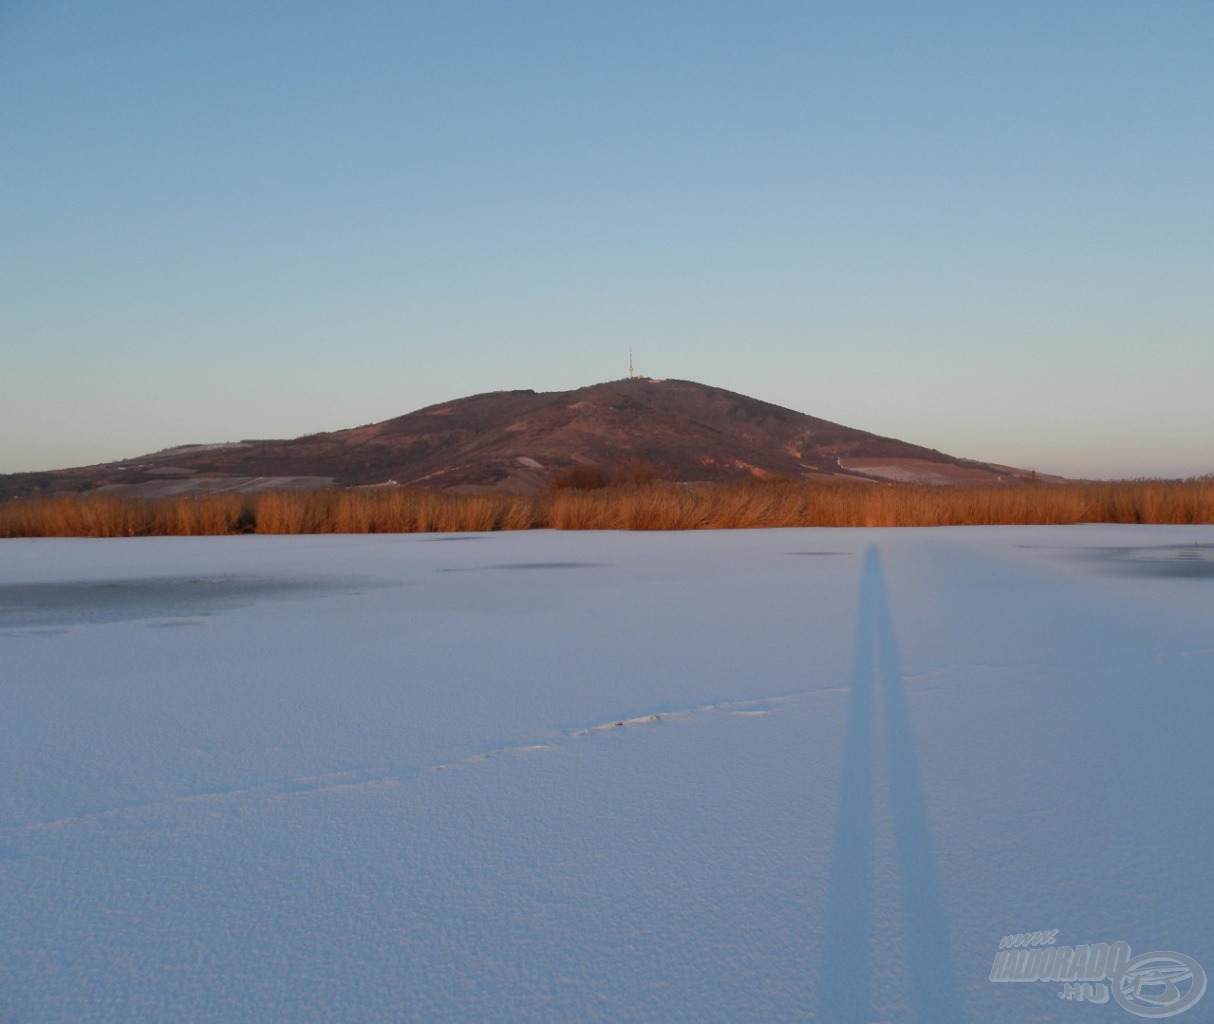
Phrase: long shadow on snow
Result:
[846,978]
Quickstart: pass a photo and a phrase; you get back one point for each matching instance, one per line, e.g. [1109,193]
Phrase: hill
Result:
[520,440]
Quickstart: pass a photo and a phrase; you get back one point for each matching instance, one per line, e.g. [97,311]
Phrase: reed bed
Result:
[652,506]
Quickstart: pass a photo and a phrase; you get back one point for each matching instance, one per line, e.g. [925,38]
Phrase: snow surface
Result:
[771,775]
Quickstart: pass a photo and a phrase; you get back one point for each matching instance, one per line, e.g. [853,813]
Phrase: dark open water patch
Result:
[1160,561]
[89,602]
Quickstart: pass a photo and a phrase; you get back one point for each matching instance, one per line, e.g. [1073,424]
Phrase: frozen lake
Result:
[741,776]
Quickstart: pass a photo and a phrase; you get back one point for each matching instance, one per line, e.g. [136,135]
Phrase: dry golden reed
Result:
[654,506]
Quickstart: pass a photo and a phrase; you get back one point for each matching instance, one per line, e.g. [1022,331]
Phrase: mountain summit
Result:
[521,440]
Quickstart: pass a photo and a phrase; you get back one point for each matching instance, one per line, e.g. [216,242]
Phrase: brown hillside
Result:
[520,440]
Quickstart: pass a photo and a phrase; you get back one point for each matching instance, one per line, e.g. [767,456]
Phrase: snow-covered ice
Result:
[769,775]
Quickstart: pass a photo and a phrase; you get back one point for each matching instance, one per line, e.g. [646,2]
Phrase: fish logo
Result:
[1159,984]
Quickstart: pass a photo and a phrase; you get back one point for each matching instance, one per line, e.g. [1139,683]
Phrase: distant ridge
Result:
[520,440]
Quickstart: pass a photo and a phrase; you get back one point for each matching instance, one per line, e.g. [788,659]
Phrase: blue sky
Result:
[986,228]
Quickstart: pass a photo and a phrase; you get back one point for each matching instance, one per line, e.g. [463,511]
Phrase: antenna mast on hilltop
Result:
[631,375]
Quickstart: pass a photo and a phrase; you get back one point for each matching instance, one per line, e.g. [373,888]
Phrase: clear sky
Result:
[983,227]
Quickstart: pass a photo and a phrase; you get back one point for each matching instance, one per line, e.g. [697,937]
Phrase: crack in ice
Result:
[279,790]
